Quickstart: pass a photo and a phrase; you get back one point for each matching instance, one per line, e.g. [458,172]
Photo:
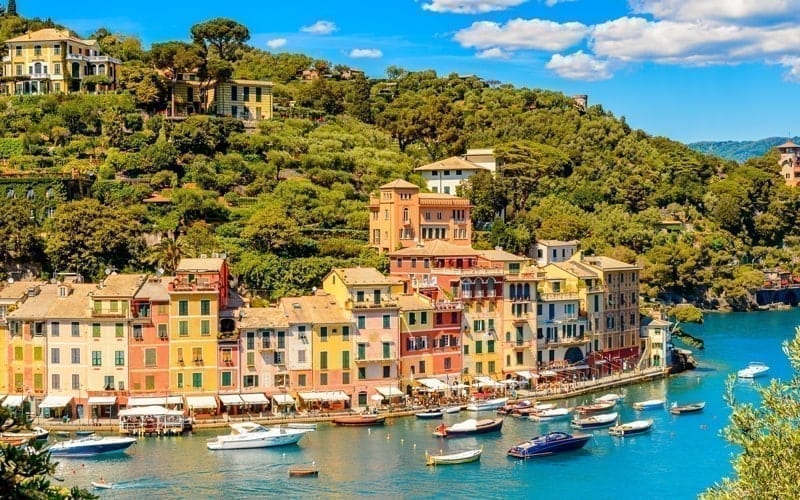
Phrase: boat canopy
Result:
[257,398]
[148,411]
[434,384]
[53,401]
[389,392]
[231,399]
[102,400]
[155,401]
[201,402]
[13,400]
[324,396]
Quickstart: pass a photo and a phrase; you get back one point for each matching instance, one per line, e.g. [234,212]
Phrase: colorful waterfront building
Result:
[198,294]
[262,355]
[401,216]
[27,345]
[148,343]
[370,298]
[12,295]
[655,343]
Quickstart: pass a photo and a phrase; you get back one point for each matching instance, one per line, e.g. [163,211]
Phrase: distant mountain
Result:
[739,150]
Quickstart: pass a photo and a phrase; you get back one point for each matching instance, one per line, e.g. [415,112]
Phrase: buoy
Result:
[415,446]
[402,440]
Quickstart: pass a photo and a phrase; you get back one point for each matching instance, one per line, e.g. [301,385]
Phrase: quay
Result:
[564,391]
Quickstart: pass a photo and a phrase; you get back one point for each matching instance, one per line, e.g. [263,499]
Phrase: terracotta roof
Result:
[155,289]
[498,254]
[263,317]
[557,243]
[120,285]
[18,289]
[788,144]
[609,264]
[399,183]
[439,198]
[316,309]
[73,306]
[576,269]
[201,265]
[49,35]
[436,248]
[648,321]
[452,163]
[362,276]
[413,302]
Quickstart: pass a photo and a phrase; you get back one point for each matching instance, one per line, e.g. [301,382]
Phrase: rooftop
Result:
[318,309]
[436,248]
[609,264]
[263,317]
[399,183]
[412,302]
[558,243]
[202,265]
[362,276]
[49,35]
[16,290]
[500,255]
[155,289]
[120,285]
[452,163]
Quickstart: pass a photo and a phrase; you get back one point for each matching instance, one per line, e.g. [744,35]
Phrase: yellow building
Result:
[248,100]
[56,61]
[11,297]
[197,294]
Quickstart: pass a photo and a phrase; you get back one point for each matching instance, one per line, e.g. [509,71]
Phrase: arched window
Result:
[405,214]
[30,194]
[512,291]
[37,68]
[527,292]
[101,69]
[490,287]
[466,288]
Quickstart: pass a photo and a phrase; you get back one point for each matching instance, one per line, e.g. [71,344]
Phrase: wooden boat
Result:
[648,404]
[548,444]
[754,369]
[14,441]
[514,407]
[469,426]
[102,485]
[359,420]
[677,409]
[304,470]
[592,408]
[551,414]
[461,457]
[488,404]
[629,428]
[35,433]
[595,421]
[432,413]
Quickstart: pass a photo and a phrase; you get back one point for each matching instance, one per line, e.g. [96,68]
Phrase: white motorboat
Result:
[610,397]
[629,428]
[754,369]
[90,446]
[246,435]
[486,404]
[550,414]
[650,403]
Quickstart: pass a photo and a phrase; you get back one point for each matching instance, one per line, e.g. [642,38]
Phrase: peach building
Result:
[148,344]
[401,216]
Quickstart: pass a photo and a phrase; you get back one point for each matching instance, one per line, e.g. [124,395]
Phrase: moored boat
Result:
[677,409]
[359,420]
[509,409]
[648,404]
[629,428]
[610,397]
[487,404]
[304,470]
[84,433]
[551,414]
[592,408]
[302,425]
[754,369]
[246,435]
[594,421]
[90,446]
[452,409]
[548,444]
[469,426]
[35,433]
[461,457]
[430,413]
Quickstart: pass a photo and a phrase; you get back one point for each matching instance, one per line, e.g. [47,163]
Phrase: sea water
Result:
[679,458]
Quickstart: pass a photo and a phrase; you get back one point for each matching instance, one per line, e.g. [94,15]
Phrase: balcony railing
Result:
[107,314]
[448,306]
[550,296]
[186,286]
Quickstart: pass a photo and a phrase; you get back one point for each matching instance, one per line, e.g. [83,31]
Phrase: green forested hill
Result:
[288,201]
[739,151]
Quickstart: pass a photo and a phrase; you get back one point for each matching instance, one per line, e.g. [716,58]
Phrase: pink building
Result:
[148,343]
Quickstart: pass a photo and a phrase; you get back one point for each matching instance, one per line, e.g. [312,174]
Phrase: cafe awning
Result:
[55,401]
[389,392]
[485,382]
[434,384]
[231,399]
[283,399]
[13,400]
[324,396]
[257,398]
[548,373]
[102,400]
[527,374]
[201,402]
[155,401]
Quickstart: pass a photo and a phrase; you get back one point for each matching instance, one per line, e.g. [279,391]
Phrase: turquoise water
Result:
[679,458]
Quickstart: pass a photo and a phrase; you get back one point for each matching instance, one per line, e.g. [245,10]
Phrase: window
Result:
[412,318]
[149,358]
[108,382]
[205,327]
[97,358]
[323,379]
[75,328]
[162,331]
[478,347]
[18,50]
[448,364]
[245,94]
[362,322]
[37,50]
[251,358]
[345,378]
[362,373]
[466,349]
[137,332]
[54,329]
[387,321]
[345,360]
[258,94]
[183,328]
[37,353]
[281,340]
[323,360]
[323,334]
[362,351]
[76,382]
[226,379]
[197,354]
[183,308]
[96,330]
[197,380]
[479,367]
[234,93]
[490,346]
[18,353]
[75,355]
[149,382]
[387,371]
[55,355]
[57,49]
[301,356]
[119,331]
[250,381]
[423,317]
[387,350]
[205,307]
[278,358]
[491,366]
[422,367]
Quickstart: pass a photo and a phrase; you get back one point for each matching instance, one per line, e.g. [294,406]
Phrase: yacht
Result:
[252,435]
[753,370]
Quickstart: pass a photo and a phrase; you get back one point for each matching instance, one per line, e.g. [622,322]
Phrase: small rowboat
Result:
[677,409]
[359,420]
[304,470]
[593,408]
[452,409]
[650,403]
[610,397]
[595,421]
[462,457]
[551,414]
[432,413]
[102,485]
[629,428]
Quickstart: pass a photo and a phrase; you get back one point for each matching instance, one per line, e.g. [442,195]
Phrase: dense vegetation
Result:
[740,151]
[287,201]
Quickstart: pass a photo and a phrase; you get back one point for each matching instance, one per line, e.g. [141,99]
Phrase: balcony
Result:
[567,341]
[554,296]
[198,362]
[522,344]
[447,305]
[107,314]
[368,360]
[371,304]
[193,286]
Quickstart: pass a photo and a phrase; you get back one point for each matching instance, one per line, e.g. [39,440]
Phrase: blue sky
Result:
[689,70]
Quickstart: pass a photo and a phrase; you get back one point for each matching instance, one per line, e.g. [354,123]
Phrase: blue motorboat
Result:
[91,446]
[548,444]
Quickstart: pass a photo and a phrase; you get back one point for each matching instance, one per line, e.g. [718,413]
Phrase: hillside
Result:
[287,201]
[739,151]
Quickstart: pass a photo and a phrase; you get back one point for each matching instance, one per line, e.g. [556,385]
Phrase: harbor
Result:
[679,457]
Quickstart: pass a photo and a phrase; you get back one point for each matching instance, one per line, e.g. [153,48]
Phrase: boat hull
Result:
[690,408]
[488,405]
[489,426]
[430,414]
[91,447]
[549,444]
[648,405]
[455,458]
[631,428]
[594,422]
[221,443]
[359,420]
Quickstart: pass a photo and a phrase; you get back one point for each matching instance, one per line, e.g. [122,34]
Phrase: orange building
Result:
[401,217]
[148,343]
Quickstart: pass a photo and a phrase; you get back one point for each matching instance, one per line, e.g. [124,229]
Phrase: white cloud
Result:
[276,43]
[551,3]
[518,33]
[470,6]
[366,53]
[793,64]
[320,28]
[493,53]
[579,66]
[745,11]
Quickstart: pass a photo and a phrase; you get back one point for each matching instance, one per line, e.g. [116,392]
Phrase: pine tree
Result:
[12,8]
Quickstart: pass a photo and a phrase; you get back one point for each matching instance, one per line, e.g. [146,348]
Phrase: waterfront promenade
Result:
[554,393]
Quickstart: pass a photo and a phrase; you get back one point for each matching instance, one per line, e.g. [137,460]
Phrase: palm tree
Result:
[168,252]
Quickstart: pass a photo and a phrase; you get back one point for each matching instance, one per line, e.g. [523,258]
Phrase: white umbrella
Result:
[376,397]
